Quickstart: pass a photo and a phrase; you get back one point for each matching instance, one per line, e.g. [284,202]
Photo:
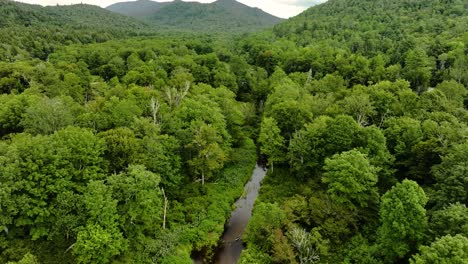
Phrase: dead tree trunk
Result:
[165,208]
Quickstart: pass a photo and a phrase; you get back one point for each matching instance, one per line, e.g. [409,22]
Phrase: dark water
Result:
[231,244]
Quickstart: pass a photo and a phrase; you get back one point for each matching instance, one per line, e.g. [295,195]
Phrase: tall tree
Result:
[351,179]
[101,239]
[208,156]
[403,220]
[452,182]
[271,141]
[418,67]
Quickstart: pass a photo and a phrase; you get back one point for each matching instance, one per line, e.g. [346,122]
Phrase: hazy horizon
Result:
[280,8]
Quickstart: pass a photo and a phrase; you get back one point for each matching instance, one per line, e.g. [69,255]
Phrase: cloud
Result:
[301,3]
[281,8]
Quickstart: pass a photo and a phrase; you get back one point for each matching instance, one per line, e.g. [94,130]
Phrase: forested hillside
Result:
[220,16]
[117,149]
[365,129]
[32,31]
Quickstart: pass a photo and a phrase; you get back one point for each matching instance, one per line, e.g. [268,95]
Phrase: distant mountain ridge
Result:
[219,16]
[139,8]
[75,16]
[350,20]
[34,31]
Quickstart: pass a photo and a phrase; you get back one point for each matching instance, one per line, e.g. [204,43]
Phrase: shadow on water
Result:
[230,245]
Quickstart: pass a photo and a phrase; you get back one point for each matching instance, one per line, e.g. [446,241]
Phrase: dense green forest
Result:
[31,31]
[122,144]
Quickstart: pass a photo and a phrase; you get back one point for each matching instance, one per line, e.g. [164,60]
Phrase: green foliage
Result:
[403,220]
[141,207]
[451,178]
[451,220]
[271,141]
[121,147]
[27,259]
[90,134]
[360,251]
[351,179]
[209,156]
[447,249]
[98,245]
[46,171]
[267,218]
[35,31]
[254,256]
[418,68]
[48,116]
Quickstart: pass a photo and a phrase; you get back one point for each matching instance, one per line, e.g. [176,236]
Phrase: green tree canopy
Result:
[351,179]
[445,250]
[403,220]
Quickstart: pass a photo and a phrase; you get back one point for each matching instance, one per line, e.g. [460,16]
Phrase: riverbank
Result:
[210,209]
[268,217]
[231,243]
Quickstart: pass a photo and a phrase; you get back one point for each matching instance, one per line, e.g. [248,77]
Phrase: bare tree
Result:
[154,105]
[302,242]
[165,208]
[175,96]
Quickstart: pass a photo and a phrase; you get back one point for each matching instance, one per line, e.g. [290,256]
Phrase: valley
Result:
[141,133]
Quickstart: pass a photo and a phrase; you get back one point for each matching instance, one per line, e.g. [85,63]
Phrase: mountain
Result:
[219,16]
[355,22]
[35,31]
[75,16]
[140,8]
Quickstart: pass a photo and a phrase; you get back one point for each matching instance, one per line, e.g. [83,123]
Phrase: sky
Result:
[281,8]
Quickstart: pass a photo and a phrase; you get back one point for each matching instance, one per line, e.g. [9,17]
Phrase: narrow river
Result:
[231,246]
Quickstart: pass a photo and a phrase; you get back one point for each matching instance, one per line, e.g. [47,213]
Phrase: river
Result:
[230,245]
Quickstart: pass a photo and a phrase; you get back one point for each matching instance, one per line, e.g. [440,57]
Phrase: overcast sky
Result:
[281,8]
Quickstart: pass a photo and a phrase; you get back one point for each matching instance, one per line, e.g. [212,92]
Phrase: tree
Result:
[402,134]
[101,239]
[459,71]
[359,105]
[454,92]
[403,220]
[160,154]
[452,183]
[121,147]
[450,220]
[291,116]
[43,179]
[351,179]
[96,244]
[117,113]
[306,149]
[445,250]
[209,155]
[374,145]
[418,67]
[27,259]
[12,109]
[49,115]
[139,200]
[271,141]
[359,250]
[266,219]
[309,246]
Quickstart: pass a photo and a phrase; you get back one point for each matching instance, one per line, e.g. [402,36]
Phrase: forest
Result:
[120,143]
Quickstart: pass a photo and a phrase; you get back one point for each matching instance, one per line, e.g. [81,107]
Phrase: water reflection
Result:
[231,243]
